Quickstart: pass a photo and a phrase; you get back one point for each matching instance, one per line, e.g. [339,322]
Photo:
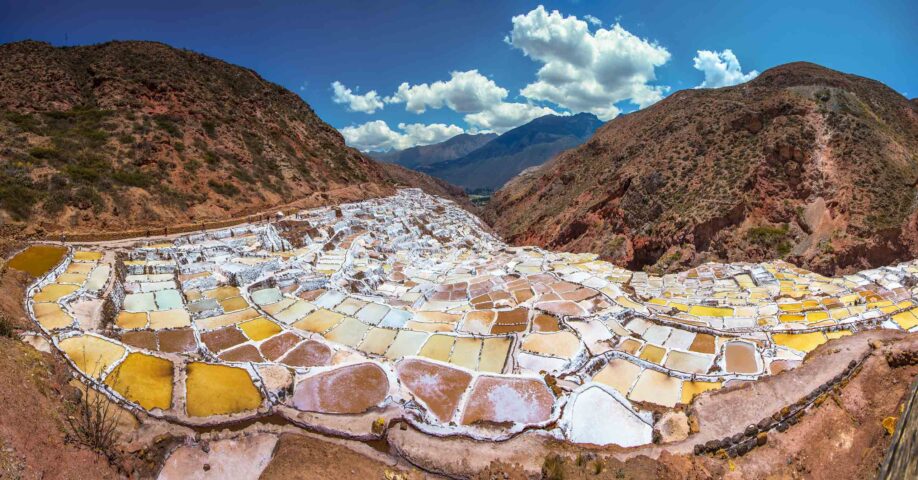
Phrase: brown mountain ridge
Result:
[138,134]
[803,163]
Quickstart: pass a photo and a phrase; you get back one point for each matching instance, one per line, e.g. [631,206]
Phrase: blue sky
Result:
[498,63]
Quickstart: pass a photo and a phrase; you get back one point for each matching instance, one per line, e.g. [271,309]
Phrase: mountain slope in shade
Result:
[426,155]
[803,163]
[529,145]
[139,134]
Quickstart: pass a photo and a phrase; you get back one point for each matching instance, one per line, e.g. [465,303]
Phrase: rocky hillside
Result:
[130,134]
[803,163]
[491,165]
[427,155]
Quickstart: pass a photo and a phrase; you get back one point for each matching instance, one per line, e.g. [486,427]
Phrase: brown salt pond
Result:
[219,390]
[37,260]
[508,400]
[308,354]
[440,388]
[740,357]
[349,389]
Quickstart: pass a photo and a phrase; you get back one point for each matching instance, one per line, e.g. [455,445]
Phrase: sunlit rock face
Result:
[406,306]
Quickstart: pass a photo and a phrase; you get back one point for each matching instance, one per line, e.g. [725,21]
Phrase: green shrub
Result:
[225,189]
[131,177]
[771,238]
[210,128]
[44,153]
[168,124]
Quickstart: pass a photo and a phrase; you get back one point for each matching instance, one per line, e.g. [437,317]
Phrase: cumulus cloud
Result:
[366,103]
[505,116]
[721,69]
[593,20]
[464,92]
[473,94]
[377,136]
[587,71]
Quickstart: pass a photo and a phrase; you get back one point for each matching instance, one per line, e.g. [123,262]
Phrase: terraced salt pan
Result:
[601,417]
[474,315]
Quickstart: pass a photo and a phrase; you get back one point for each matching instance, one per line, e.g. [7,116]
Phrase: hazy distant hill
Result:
[491,165]
[803,162]
[127,134]
[427,155]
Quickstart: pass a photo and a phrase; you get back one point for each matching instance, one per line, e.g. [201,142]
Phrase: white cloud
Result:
[464,92]
[584,71]
[721,69]
[505,116]
[377,136]
[366,103]
[593,20]
[473,94]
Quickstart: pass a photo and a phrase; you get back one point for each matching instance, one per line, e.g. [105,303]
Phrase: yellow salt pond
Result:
[438,347]
[91,354]
[169,319]
[219,390]
[131,320]
[51,316]
[692,389]
[907,320]
[143,379]
[234,303]
[259,329]
[54,292]
[37,260]
[618,374]
[802,342]
[85,256]
[319,321]
[494,354]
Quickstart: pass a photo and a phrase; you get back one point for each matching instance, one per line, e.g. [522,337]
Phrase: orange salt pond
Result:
[219,390]
[92,355]
[740,357]
[508,400]
[349,389]
[37,260]
[143,379]
[440,388]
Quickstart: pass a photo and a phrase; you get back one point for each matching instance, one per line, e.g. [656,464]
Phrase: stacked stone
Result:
[757,435]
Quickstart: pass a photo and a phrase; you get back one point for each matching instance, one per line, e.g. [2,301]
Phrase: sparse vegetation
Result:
[553,467]
[225,189]
[771,238]
[6,327]
[94,423]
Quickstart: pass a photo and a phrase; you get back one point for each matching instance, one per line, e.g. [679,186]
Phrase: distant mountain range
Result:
[497,159]
[426,155]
